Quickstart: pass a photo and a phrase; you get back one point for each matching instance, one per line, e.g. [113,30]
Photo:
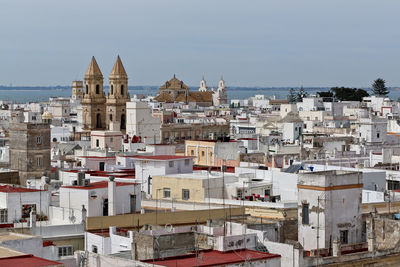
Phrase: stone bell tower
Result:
[94,99]
[117,96]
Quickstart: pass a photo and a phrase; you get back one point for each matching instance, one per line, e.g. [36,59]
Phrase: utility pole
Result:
[223,193]
[318,233]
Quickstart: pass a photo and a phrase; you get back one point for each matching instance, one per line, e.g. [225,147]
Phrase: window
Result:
[167,192]
[110,117]
[122,90]
[305,214]
[171,164]
[192,152]
[187,162]
[344,237]
[112,89]
[38,140]
[185,194]
[97,89]
[26,210]
[377,135]
[38,161]
[87,89]
[202,153]
[111,139]
[3,216]
[94,249]
[65,251]
[97,143]
[239,193]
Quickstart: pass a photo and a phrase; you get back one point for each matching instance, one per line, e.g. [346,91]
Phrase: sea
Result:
[42,94]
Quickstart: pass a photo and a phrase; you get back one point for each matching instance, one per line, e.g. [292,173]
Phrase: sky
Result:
[251,43]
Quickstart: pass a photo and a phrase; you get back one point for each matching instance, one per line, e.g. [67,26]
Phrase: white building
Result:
[140,122]
[106,140]
[16,203]
[60,108]
[372,130]
[311,103]
[329,208]
[148,166]
[108,242]
[102,198]
[292,127]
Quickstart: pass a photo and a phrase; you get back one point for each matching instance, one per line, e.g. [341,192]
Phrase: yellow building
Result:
[206,152]
[203,151]
[191,187]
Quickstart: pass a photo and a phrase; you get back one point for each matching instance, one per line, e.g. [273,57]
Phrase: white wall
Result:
[33,245]
[338,210]
[140,122]
[14,202]
[75,198]
[103,244]
[147,168]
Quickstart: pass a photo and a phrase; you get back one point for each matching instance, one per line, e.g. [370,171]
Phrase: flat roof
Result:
[14,189]
[198,175]
[162,157]
[214,258]
[6,236]
[27,260]
[96,185]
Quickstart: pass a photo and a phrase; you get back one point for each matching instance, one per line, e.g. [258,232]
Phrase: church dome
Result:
[47,115]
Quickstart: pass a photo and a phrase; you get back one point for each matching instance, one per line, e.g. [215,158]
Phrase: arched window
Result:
[110,117]
[98,121]
[122,89]
[112,89]
[123,121]
[87,89]
[97,89]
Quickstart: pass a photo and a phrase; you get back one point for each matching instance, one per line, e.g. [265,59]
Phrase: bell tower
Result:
[118,95]
[94,99]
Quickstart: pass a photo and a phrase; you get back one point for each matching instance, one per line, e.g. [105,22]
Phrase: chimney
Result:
[32,218]
[112,205]
[81,179]
[337,248]
[113,230]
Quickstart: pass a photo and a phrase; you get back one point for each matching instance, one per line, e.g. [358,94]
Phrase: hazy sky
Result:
[250,43]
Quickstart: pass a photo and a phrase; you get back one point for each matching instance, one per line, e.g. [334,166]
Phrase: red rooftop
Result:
[214,258]
[96,185]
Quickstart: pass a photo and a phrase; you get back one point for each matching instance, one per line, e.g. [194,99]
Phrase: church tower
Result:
[220,96]
[94,99]
[117,96]
[203,85]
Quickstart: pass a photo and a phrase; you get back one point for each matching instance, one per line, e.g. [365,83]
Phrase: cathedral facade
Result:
[98,110]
